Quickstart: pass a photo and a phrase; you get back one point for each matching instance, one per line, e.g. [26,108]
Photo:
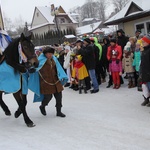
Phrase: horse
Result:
[20,64]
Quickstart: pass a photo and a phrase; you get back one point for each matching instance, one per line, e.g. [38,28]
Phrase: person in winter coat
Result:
[114,55]
[105,62]
[49,83]
[127,65]
[89,60]
[145,65]
[79,72]
[137,60]
[121,38]
[101,71]
[97,57]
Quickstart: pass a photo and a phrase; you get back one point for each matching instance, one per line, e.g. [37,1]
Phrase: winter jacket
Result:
[99,46]
[122,40]
[96,54]
[137,60]
[49,81]
[116,49]
[145,64]
[88,56]
[127,63]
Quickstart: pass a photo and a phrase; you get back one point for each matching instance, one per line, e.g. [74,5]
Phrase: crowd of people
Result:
[88,61]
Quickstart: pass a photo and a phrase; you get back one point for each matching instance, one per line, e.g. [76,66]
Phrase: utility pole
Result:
[55,12]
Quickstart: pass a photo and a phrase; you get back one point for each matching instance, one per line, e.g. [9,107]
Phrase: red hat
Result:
[146,39]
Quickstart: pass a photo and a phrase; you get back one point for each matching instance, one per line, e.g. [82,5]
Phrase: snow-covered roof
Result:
[70,36]
[90,19]
[38,26]
[143,4]
[88,28]
[46,12]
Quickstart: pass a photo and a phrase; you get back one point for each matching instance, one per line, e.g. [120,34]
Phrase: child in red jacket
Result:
[114,55]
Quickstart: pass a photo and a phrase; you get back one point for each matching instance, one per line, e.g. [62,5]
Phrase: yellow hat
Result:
[79,57]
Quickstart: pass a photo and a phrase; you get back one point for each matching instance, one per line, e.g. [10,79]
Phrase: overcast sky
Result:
[15,8]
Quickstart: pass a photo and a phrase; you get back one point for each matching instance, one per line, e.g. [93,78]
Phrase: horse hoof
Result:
[31,125]
[8,113]
[17,114]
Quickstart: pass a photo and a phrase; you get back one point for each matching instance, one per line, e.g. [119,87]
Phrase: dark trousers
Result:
[81,83]
[88,83]
[48,97]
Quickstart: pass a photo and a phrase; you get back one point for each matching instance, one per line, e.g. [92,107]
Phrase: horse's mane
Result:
[11,52]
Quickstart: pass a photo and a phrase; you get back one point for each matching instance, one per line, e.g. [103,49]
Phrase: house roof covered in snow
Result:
[46,12]
[90,19]
[88,28]
[141,7]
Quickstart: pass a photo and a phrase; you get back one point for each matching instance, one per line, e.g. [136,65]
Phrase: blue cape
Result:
[34,80]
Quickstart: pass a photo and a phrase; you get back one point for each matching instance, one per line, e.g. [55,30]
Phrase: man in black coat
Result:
[121,38]
[89,59]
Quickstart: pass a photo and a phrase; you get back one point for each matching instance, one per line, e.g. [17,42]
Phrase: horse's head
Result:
[28,52]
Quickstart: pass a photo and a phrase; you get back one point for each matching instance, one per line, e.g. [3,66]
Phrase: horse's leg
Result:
[22,107]
[4,106]
[19,112]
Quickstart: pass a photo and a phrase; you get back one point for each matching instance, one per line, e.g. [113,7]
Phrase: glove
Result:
[117,61]
[110,61]
[32,70]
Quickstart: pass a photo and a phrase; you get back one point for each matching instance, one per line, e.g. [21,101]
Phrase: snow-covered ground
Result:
[108,120]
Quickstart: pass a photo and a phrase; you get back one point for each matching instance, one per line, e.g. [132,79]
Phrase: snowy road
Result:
[109,120]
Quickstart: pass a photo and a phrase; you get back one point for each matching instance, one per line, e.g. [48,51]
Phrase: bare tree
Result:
[119,4]
[88,9]
[102,5]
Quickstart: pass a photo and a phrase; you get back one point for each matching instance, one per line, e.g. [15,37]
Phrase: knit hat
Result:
[146,39]
[48,49]
[79,57]
[113,40]
[87,40]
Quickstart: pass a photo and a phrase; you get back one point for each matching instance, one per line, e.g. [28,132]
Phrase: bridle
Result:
[24,59]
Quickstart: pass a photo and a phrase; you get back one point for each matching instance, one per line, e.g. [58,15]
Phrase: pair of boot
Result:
[58,110]
[116,86]
[146,102]
[80,90]
[131,84]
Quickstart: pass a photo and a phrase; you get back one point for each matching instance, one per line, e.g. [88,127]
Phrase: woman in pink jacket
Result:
[114,55]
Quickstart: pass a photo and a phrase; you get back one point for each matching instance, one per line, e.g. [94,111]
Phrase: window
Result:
[140,27]
[148,27]
[62,20]
[143,26]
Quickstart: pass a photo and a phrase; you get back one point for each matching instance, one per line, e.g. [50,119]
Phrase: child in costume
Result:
[79,72]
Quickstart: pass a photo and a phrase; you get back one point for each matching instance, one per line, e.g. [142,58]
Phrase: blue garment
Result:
[34,79]
[9,79]
[137,60]
[93,79]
